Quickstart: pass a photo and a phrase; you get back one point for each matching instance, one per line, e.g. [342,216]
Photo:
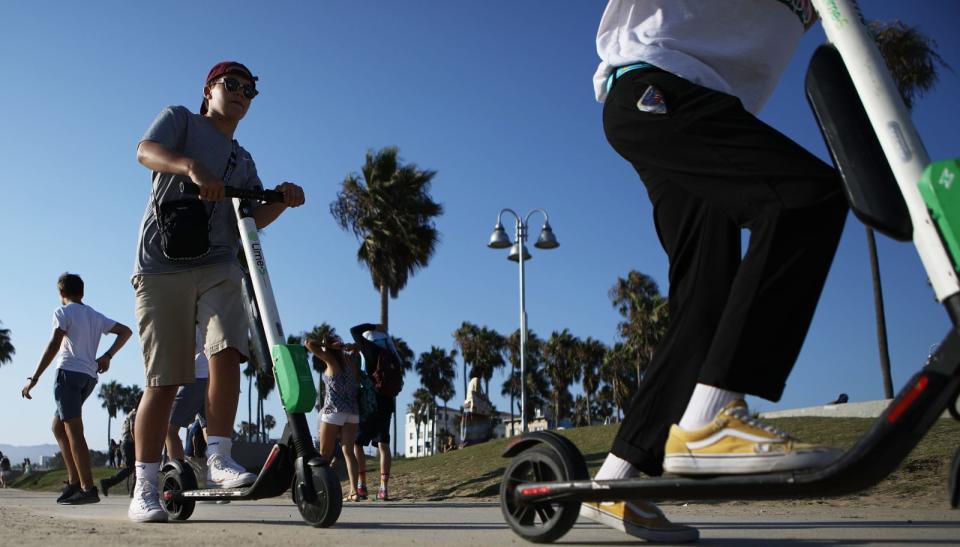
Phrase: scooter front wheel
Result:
[536,522]
[325,509]
[174,481]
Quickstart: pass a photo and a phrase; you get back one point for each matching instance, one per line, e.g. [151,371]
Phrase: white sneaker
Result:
[223,472]
[145,504]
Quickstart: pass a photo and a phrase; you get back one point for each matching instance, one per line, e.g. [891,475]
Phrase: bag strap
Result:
[227,173]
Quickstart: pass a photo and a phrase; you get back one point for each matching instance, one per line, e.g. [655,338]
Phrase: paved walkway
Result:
[33,518]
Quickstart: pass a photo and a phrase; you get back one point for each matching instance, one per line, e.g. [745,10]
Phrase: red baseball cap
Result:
[226,67]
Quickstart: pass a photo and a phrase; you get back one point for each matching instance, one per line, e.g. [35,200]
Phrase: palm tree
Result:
[6,346]
[269,423]
[112,395]
[391,212]
[465,339]
[437,369]
[250,371]
[130,398]
[560,356]
[637,298]
[591,354]
[534,352]
[537,384]
[581,411]
[265,385]
[912,60]
[614,371]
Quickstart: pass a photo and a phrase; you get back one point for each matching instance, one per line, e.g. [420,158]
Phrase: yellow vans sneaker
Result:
[640,519]
[736,443]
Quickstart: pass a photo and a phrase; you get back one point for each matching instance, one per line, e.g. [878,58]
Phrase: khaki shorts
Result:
[169,305]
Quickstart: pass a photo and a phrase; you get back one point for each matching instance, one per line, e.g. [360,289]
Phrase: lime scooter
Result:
[294,462]
[905,197]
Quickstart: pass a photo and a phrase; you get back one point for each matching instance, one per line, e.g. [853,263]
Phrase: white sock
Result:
[147,472]
[705,403]
[615,467]
[218,445]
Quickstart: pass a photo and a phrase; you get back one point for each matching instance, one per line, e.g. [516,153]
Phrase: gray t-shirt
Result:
[193,135]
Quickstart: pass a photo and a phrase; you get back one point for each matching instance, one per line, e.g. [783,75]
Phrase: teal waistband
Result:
[620,71]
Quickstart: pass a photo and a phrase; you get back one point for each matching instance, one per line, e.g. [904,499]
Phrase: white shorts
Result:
[340,418]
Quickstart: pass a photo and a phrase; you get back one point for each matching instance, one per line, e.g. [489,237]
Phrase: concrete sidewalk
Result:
[32,518]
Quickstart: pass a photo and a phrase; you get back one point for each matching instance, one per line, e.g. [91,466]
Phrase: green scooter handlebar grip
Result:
[294,378]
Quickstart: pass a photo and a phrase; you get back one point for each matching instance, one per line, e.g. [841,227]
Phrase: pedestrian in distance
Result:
[681,84]
[77,329]
[187,275]
[371,340]
[340,414]
[112,454]
[5,472]
[127,454]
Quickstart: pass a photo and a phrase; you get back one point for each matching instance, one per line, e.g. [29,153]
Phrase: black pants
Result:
[736,321]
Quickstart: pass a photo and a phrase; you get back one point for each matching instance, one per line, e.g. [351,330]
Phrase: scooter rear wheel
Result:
[325,510]
[172,483]
[536,522]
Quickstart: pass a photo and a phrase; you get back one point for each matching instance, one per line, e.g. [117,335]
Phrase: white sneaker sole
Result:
[716,464]
[241,482]
[151,516]
[680,535]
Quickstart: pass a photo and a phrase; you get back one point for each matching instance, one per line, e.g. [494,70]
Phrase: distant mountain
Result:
[18,453]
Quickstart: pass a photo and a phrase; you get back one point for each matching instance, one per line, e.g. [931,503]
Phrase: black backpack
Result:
[387,374]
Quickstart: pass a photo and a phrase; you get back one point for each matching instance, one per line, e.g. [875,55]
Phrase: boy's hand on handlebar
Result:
[292,194]
[211,187]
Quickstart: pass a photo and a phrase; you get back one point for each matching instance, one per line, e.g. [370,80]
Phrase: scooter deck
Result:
[894,434]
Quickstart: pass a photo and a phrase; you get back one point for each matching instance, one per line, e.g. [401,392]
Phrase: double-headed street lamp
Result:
[519,254]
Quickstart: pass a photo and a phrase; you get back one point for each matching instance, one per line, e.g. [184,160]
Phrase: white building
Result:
[420,443]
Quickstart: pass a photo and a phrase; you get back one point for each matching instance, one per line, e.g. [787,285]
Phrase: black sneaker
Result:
[68,490]
[83,497]
[104,487]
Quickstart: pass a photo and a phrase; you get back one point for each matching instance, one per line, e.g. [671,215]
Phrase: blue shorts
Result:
[191,401]
[70,390]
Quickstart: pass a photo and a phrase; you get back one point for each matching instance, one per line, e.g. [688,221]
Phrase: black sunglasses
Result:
[232,84]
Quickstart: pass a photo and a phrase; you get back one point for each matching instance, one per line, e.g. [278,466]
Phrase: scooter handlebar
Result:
[269,196]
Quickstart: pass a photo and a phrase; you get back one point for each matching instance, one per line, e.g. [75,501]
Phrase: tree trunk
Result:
[881,317]
[249,406]
[512,425]
[589,418]
[556,409]
[384,303]
[108,429]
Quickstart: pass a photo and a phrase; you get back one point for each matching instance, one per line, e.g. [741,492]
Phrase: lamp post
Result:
[519,254]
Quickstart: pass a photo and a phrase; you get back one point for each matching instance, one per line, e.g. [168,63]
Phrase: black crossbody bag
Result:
[185,224]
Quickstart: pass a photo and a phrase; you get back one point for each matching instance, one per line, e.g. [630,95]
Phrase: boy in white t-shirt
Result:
[76,334]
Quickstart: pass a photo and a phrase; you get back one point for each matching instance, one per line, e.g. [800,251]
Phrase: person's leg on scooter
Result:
[223,395]
[223,327]
[166,308]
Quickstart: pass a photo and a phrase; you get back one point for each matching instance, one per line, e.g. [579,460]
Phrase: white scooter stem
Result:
[891,122]
[263,290]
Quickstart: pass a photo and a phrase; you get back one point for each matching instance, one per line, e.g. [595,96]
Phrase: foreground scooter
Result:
[294,462]
[891,186]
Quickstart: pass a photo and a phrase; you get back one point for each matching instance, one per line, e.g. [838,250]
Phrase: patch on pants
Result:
[652,101]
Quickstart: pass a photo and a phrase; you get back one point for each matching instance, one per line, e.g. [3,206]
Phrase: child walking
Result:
[76,334]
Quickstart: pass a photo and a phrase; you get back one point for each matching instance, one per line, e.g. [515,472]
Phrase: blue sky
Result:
[496,96]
